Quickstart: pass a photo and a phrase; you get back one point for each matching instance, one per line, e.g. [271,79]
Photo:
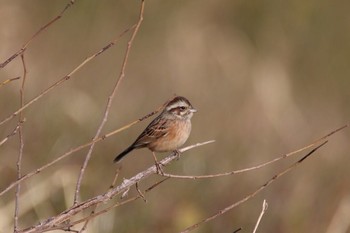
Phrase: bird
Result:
[167,132]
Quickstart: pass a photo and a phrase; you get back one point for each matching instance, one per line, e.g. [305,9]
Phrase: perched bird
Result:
[167,132]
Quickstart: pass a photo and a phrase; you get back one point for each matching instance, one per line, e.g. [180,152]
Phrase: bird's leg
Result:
[177,154]
[159,169]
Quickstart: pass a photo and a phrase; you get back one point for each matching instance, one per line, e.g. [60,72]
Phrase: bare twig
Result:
[71,151]
[115,177]
[263,210]
[12,133]
[51,222]
[24,47]
[111,207]
[125,193]
[140,192]
[109,102]
[66,77]
[270,181]
[317,141]
[87,220]
[21,145]
[8,80]
[95,207]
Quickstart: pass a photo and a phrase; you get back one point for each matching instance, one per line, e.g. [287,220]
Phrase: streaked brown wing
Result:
[156,129]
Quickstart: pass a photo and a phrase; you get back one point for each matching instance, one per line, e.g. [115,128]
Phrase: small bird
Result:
[167,132]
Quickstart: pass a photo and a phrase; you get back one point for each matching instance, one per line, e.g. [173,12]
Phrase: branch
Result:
[86,220]
[116,205]
[93,211]
[76,149]
[12,133]
[8,80]
[270,181]
[317,141]
[109,102]
[66,77]
[71,151]
[51,222]
[95,214]
[21,146]
[24,47]
[263,210]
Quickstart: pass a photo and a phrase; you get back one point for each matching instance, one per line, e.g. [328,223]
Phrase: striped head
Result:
[180,107]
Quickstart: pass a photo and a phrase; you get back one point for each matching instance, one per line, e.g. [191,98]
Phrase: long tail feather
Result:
[121,155]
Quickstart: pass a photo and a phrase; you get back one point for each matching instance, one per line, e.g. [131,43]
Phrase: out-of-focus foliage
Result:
[266,76]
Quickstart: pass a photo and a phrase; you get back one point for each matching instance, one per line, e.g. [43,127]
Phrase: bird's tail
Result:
[121,155]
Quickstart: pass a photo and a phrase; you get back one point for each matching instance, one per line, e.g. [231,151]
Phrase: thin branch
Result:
[115,177]
[140,192]
[263,210]
[73,223]
[51,222]
[14,131]
[8,81]
[119,203]
[95,207]
[88,219]
[248,197]
[94,210]
[21,146]
[317,141]
[66,77]
[24,47]
[109,102]
[71,151]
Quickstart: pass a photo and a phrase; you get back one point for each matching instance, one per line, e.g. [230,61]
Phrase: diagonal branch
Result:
[316,142]
[73,150]
[21,146]
[8,81]
[248,197]
[66,77]
[14,131]
[24,47]
[127,183]
[263,210]
[109,102]
[95,214]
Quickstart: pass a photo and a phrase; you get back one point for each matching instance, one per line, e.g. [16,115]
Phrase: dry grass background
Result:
[266,76]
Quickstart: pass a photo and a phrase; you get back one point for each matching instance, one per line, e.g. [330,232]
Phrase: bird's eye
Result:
[182,108]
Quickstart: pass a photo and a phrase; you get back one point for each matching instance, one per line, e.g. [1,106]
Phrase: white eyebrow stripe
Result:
[177,104]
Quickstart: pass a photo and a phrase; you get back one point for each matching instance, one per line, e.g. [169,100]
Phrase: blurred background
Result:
[267,78]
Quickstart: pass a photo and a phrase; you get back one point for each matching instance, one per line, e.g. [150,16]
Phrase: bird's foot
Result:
[177,154]
[159,168]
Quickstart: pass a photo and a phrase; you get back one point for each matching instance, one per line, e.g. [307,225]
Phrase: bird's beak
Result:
[193,110]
